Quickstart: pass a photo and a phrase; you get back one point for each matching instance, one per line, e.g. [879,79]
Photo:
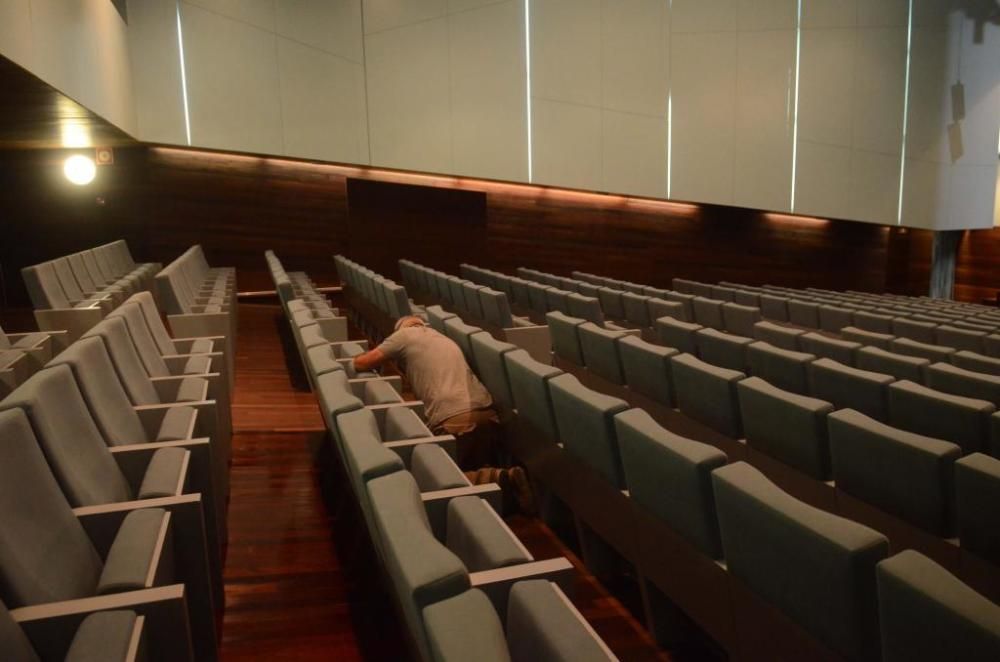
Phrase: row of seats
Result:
[114,471]
[22,354]
[74,292]
[457,571]
[389,298]
[862,605]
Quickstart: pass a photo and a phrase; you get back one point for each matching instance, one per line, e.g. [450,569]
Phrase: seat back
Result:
[977,490]
[496,308]
[437,316]
[919,486]
[43,287]
[471,299]
[851,388]
[461,334]
[636,310]
[922,350]
[707,393]
[873,322]
[611,303]
[564,333]
[905,327]
[142,338]
[958,381]
[125,358]
[803,313]
[671,477]
[708,312]
[646,368]
[492,369]
[774,307]
[537,297]
[678,335]
[783,337]
[722,349]
[775,544]
[364,453]
[783,368]
[976,362]
[335,397]
[685,300]
[740,319]
[154,322]
[842,351]
[557,299]
[588,308]
[662,308]
[951,336]
[963,421]
[600,351]
[529,388]
[899,366]
[479,538]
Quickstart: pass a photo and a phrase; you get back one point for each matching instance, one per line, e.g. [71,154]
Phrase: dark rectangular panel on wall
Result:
[439,227]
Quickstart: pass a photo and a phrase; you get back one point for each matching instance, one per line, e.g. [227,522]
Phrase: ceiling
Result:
[35,115]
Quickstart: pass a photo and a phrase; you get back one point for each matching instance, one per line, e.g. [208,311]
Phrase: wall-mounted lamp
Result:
[79,169]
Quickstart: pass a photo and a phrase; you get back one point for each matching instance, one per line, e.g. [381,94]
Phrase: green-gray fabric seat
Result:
[783,368]
[787,426]
[46,555]
[707,393]
[588,308]
[976,362]
[992,343]
[422,570]
[904,327]
[647,368]
[564,333]
[774,307]
[874,322]
[380,392]
[461,334]
[585,423]
[403,423]
[899,472]
[312,315]
[473,304]
[600,351]
[803,313]
[537,297]
[722,349]
[923,350]
[662,308]
[529,387]
[850,388]
[437,316]
[683,299]
[677,334]
[977,485]
[611,303]
[103,636]
[434,469]
[951,336]
[322,359]
[963,421]
[636,310]
[495,308]
[108,402]
[817,568]
[557,299]
[670,476]
[335,397]
[740,319]
[465,627]
[900,366]
[958,381]
[869,338]
[492,369]
[146,347]
[722,293]
[477,535]
[364,453]
[778,335]
[842,351]
[746,297]
[708,312]
[834,318]
[927,614]
[76,451]
[164,341]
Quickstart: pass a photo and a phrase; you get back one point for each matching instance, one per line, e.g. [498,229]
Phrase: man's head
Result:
[409,320]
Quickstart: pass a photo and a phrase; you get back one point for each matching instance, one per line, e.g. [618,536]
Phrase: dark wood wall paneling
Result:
[162,200]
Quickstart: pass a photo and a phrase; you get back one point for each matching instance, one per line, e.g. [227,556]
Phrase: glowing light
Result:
[79,169]
[527,66]
[74,134]
[795,117]
[184,85]
[906,113]
[670,137]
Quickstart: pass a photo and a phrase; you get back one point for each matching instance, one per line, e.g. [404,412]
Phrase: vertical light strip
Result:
[527,67]
[670,136]
[184,86]
[906,113]
[795,110]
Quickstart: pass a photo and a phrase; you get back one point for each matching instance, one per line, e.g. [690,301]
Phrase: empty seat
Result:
[495,308]
[433,469]
[678,335]
[461,334]
[950,336]
[722,349]
[952,379]
[852,388]
[537,297]
[902,473]
[803,313]
[528,385]
[834,318]
[774,307]
[473,305]
[976,362]
[636,310]
[670,477]
[557,299]
[588,308]
[873,322]
[104,636]
[870,338]
[586,426]
[900,366]
[647,368]
[739,319]
[786,426]
[685,300]
[905,327]
[923,350]
[784,337]
[977,488]
[564,332]
[708,312]
[492,370]
[780,367]
[927,614]
[662,308]
[777,545]
[963,421]
[600,351]
[707,393]
[746,297]
[611,303]
[842,351]
[722,293]
[437,316]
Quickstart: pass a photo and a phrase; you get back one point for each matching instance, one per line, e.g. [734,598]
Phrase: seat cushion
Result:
[128,565]
[380,392]
[178,423]
[478,536]
[403,423]
[103,637]
[433,469]
[465,627]
[192,389]
[542,624]
[977,484]
[201,346]
[321,359]
[166,473]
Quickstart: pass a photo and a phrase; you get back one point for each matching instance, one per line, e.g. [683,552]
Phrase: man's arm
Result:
[369,360]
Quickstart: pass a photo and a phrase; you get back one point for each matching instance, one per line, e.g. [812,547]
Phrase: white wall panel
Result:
[823,181]
[826,86]
[259,13]
[565,51]
[635,56]
[156,74]
[634,154]
[874,194]
[830,13]
[567,144]
[879,82]
[767,14]
[232,81]
[15,31]
[704,15]
[389,14]
[333,26]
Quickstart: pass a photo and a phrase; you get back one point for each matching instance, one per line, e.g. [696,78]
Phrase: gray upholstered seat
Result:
[611,302]
[364,454]
[461,333]
[722,293]
[707,393]
[496,308]
[803,313]
[746,297]
[874,322]
[585,423]
[923,350]
[905,474]
[146,347]
[167,345]
[528,385]
[677,334]
[977,489]
[976,362]
[380,392]
[786,426]
[817,568]
[588,308]
[491,368]
[662,308]
[434,469]
[834,318]
[105,636]
[477,535]
[403,423]
[778,335]
[870,338]
[951,336]
[335,397]
[963,421]
[774,307]
[564,332]
[670,477]
[647,368]
[900,366]
[927,614]
[904,327]
[472,302]
[600,351]
[847,387]
[685,300]
[437,316]
[557,299]
[783,368]
[722,349]
[842,351]
[958,381]
[322,359]
[636,310]
[740,319]
[708,312]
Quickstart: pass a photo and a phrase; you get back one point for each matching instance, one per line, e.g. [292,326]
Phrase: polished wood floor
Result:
[300,581]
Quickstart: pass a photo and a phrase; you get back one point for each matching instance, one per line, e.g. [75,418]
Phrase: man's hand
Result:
[369,360]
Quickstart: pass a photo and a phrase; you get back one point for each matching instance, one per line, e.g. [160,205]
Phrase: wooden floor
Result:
[300,581]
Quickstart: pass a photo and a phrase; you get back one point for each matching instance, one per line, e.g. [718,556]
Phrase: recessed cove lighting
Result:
[79,169]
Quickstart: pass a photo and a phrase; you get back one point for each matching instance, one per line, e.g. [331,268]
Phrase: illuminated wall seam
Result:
[795,110]
[906,112]
[184,89]
[670,99]
[527,66]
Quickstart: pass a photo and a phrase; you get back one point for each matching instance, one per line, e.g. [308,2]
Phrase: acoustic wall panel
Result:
[633,154]
[259,13]
[15,31]
[156,71]
[566,144]
[333,26]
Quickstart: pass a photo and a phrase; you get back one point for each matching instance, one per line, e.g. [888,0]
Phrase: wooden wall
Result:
[162,200]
